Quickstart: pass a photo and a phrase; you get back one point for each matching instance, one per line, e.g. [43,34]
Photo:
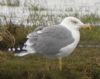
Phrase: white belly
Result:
[67,50]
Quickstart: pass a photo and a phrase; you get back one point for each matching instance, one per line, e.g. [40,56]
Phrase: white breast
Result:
[65,51]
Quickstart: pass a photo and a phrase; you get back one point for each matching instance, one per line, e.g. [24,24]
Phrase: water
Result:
[21,13]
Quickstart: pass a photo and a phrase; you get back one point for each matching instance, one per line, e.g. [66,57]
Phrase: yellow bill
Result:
[86,26]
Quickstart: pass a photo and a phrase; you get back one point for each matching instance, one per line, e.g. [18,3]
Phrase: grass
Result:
[83,63]
[90,37]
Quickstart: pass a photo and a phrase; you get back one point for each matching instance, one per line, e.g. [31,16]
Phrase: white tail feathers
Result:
[23,53]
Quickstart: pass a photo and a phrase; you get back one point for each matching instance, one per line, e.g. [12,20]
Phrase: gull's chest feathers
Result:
[65,51]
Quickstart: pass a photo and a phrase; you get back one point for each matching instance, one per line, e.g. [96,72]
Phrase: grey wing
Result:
[51,40]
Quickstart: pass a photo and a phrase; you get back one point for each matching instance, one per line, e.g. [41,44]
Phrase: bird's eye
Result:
[75,22]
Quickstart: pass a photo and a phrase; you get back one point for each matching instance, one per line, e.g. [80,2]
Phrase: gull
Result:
[56,41]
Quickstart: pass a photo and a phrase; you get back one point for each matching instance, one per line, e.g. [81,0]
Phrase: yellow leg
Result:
[60,63]
[46,64]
